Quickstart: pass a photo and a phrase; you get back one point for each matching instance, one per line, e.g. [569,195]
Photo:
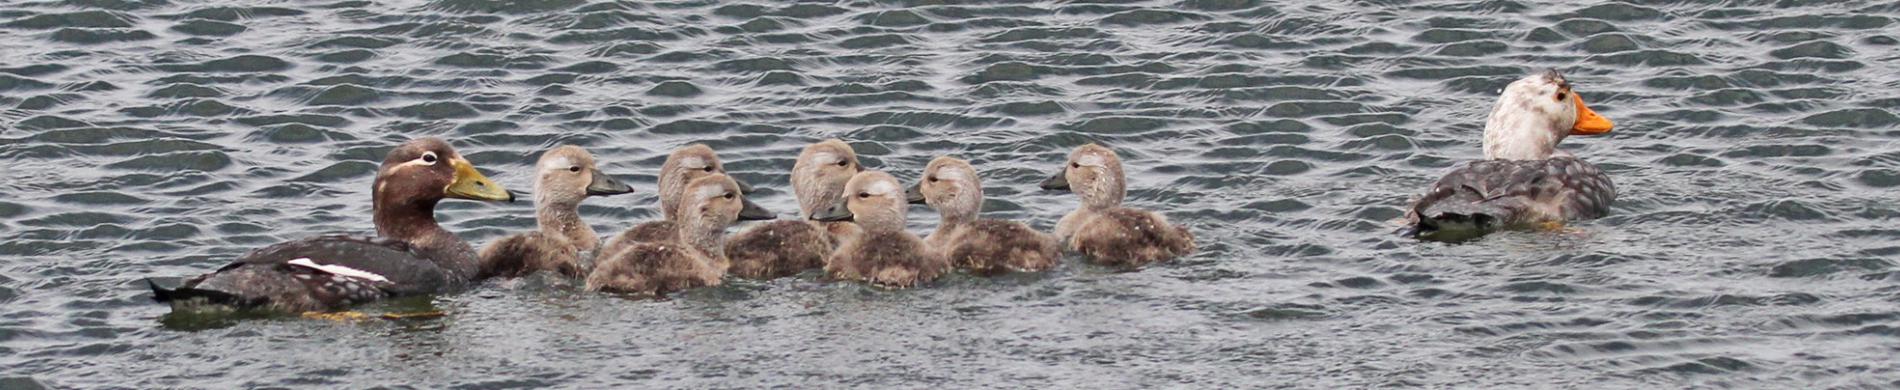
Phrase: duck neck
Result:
[414,223]
[1512,135]
[563,219]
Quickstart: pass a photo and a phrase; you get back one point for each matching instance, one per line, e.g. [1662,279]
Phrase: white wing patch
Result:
[339,270]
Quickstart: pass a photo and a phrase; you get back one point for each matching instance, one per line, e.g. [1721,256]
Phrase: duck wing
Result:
[1484,196]
[315,273]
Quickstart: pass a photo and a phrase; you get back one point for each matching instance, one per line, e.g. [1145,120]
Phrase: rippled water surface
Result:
[1753,245]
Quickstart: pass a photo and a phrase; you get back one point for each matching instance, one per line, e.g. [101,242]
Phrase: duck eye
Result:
[575,168]
[844,163]
[728,195]
[1560,95]
[933,179]
[428,157]
[864,195]
[709,168]
[1075,165]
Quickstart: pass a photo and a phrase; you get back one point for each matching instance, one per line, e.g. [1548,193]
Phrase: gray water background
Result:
[1752,246]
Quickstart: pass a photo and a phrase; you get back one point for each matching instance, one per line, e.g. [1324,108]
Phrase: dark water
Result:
[1753,245]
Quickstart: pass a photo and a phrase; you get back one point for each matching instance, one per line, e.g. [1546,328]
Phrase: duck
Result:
[885,254]
[981,245]
[410,254]
[1102,230]
[1523,180]
[682,166]
[707,206]
[787,247]
[565,175]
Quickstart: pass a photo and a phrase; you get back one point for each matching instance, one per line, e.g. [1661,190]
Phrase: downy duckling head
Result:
[873,200]
[567,174]
[682,167]
[714,202]
[1094,173]
[1535,113]
[819,176]
[951,187]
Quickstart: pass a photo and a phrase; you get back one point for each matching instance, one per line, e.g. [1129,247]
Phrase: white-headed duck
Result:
[1102,229]
[981,245]
[1524,179]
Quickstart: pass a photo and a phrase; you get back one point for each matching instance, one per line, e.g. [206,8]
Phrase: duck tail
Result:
[188,298]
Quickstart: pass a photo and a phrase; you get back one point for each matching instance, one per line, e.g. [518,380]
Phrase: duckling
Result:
[984,246]
[411,254]
[707,206]
[885,254]
[785,248]
[1524,179]
[682,166]
[1102,229]
[566,175]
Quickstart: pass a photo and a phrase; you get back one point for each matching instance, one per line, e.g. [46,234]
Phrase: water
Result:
[1753,245]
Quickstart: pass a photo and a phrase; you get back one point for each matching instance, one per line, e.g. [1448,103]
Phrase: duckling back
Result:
[988,246]
[890,258]
[522,254]
[654,269]
[1125,237]
[1485,196]
[654,231]
[778,249]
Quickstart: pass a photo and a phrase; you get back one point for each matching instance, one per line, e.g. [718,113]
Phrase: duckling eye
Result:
[933,179]
[728,195]
[709,168]
[844,163]
[864,195]
[1075,165]
[428,157]
[575,168]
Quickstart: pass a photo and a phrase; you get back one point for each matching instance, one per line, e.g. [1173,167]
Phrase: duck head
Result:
[418,174]
[1094,173]
[567,174]
[683,167]
[1535,113]
[714,202]
[873,200]
[949,185]
[819,176]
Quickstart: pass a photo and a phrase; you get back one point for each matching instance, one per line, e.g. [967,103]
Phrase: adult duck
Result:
[1524,179]
[411,254]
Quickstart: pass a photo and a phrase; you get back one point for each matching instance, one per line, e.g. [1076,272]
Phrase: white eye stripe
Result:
[1091,160]
[881,187]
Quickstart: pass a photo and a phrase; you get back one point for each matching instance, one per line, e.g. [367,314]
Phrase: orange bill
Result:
[1588,122]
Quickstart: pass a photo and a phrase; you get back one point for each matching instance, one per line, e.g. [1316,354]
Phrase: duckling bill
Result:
[411,254]
[1524,179]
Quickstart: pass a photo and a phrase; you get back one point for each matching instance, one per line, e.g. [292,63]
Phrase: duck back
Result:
[655,231]
[321,273]
[522,254]
[894,259]
[1485,196]
[1127,237]
[990,246]
[654,269]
